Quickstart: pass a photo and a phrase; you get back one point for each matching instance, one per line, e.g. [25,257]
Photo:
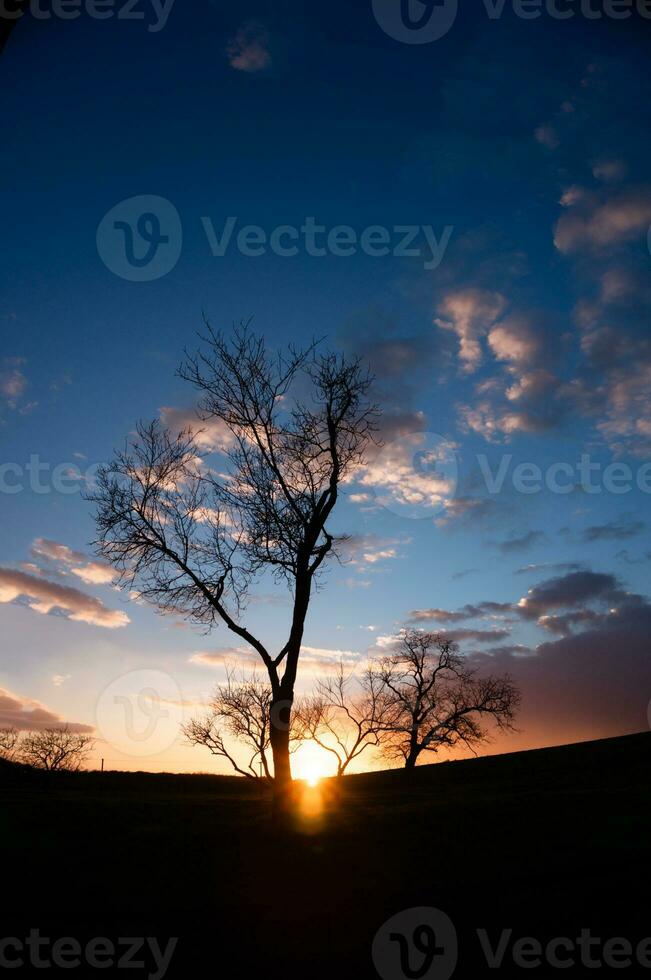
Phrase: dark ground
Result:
[546,843]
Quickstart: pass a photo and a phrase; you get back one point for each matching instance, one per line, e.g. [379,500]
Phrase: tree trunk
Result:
[414,748]
[279,737]
[410,761]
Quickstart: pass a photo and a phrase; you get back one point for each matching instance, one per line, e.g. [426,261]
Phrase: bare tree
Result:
[8,741]
[347,715]
[55,749]
[241,708]
[438,700]
[193,542]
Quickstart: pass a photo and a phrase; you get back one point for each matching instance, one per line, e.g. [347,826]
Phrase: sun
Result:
[312,763]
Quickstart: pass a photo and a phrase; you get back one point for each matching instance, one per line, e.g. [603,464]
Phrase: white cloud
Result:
[95,573]
[517,341]
[90,572]
[362,550]
[313,660]
[415,472]
[597,221]
[242,656]
[470,313]
[211,436]
[45,597]
[495,424]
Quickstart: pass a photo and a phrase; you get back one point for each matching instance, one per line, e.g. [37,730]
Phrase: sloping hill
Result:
[545,843]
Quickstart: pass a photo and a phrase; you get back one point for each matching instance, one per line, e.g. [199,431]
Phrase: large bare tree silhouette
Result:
[295,425]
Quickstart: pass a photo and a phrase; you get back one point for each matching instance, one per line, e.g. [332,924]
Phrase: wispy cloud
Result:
[516,545]
[614,531]
[315,661]
[90,572]
[363,551]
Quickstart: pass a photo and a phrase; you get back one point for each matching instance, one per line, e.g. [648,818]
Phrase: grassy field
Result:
[545,843]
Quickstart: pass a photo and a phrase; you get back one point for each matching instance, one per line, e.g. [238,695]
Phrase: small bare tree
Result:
[347,715]
[55,749]
[8,741]
[240,709]
[193,541]
[437,699]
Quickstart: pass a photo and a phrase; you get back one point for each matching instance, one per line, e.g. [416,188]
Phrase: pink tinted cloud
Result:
[470,314]
[248,50]
[44,597]
[597,221]
[28,715]
[13,382]
[90,572]
[211,435]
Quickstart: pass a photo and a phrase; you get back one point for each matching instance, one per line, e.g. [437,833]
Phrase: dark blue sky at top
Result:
[348,125]
[354,128]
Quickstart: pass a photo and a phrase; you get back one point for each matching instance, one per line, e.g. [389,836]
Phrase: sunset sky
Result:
[518,333]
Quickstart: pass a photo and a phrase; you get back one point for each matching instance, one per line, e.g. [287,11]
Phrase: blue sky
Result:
[529,141]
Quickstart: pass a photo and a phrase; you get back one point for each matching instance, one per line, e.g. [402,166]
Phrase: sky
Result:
[466,205]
